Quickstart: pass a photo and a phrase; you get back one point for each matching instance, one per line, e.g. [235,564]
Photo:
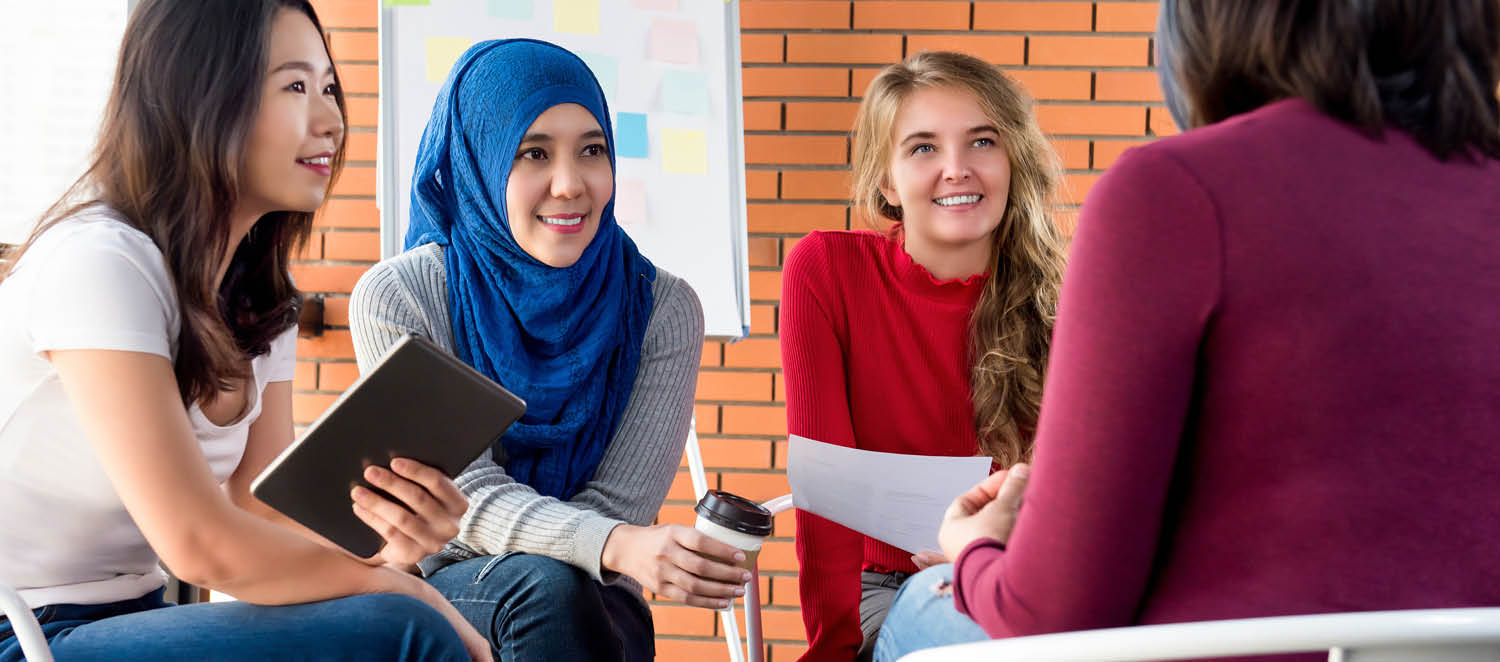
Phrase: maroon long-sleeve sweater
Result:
[875,355]
[1274,388]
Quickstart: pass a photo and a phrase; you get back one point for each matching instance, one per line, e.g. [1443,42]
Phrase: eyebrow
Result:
[928,135]
[300,66]
[542,137]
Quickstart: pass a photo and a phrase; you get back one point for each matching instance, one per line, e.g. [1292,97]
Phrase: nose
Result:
[326,119]
[955,167]
[567,181]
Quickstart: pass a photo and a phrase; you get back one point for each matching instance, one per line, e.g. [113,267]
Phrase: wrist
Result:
[616,544]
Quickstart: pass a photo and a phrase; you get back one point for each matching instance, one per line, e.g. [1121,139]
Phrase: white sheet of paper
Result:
[897,499]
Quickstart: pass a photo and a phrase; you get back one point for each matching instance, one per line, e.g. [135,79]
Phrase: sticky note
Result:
[630,202]
[576,16]
[407,3]
[630,135]
[661,5]
[674,41]
[606,68]
[684,152]
[518,10]
[442,52]
[684,92]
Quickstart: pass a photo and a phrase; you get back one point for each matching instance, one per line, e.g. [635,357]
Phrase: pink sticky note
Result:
[630,202]
[660,5]
[674,41]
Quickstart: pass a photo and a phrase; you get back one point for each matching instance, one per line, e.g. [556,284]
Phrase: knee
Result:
[919,590]
[545,579]
[399,622]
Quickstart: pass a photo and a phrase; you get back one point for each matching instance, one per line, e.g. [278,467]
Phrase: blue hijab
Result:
[567,340]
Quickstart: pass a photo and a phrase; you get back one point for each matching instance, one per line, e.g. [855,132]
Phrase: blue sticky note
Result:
[606,68]
[630,135]
[684,92]
[519,10]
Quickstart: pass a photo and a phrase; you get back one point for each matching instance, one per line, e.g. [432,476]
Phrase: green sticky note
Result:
[684,92]
[606,69]
[442,52]
[684,152]
[518,10]
[576,16]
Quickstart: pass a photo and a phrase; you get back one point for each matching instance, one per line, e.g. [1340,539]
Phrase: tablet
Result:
[419,402]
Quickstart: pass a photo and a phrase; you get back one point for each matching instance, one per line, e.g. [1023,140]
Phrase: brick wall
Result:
[806,62]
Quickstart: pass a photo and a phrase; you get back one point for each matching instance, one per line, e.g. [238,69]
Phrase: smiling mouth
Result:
[565,221]
[321,161]
[955,200]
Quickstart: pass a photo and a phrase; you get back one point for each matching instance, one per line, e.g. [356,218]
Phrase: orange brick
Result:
[859,80]
[734,386]
[359,78]
[1127,86]
[995,49]
[794,82]
[779,449]
[682,486]
[761,185]
[1054,85]
[336,376]
[336,311]
[1161,122]
[1076,187]
[785,524]
[736,453]
[754,419]
[1034,16]
[311,250]
[1125,16]
[762,48]
[784,591]
[363,111]
[787,651]
[357,246]
[683,620]
[712,354]
[333,344]
[762,116]
[778,388]
[307,407]
[810,150]
[787,243]
[360,147]
[346,213]
[355,180]
[357,46]
[1092,120]
[820,115]
[1106,152]
[759,487]
[1090,51]
[706,419]
[1074,154]
[815,184]
[668,650]
[765,285]
[764,251]
[805,15]
[763,320]
[778,554]
[676,514]
[853,48]
[326,277]
[795,218]
[347,13]
[911,15]
[305,376]
[782,624]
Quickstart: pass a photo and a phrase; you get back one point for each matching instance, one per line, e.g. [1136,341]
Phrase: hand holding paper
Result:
[988,510]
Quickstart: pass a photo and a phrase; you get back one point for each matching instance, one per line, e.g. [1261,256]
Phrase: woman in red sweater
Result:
[1274,379]
[930,338]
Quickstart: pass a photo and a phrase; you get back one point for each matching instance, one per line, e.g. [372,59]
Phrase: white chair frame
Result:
[755,649]
[23,623]
[1416,635]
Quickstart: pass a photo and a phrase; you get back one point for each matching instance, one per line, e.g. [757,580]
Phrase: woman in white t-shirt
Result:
[147,338]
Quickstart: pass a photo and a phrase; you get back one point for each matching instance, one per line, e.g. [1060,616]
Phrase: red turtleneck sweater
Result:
[875,352]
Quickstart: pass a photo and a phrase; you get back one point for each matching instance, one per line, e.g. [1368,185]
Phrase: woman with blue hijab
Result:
[516,264]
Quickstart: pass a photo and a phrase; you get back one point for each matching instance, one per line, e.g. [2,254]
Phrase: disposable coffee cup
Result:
[736,521]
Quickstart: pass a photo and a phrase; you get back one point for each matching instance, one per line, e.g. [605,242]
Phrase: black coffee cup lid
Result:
[734,512]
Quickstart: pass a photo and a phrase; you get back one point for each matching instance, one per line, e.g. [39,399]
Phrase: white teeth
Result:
[562,221]
[958,200]
[317,160]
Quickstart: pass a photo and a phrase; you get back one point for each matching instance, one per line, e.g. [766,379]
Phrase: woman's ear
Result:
[889,192]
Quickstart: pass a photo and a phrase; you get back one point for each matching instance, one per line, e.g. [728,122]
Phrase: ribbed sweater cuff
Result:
[588,545]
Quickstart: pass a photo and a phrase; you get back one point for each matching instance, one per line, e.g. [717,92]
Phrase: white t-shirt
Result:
[90,282]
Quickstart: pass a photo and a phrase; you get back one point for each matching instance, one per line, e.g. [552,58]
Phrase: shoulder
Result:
[417,277]
[97,245]
[824,260]
[676,311]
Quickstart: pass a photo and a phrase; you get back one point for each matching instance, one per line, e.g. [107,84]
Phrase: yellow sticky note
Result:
[684,152]
[576,16]
[442,52]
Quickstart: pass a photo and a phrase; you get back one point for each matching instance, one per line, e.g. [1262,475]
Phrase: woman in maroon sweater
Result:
[928,339]
[1275,379]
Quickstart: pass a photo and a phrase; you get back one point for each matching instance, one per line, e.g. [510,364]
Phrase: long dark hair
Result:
[1426,67]
[169,159]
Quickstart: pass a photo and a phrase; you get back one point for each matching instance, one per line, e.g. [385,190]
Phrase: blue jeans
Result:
[365,627]
[537,608]
[923,616]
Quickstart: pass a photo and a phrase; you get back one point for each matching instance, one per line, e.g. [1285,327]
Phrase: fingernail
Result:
[400,464]
[739,592]
[373,473]
[744,576]
[723,604]
[739,556]
[357,492]
[1021,470]
[913,559]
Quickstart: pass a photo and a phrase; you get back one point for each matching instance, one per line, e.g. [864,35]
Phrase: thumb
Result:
[1009,494]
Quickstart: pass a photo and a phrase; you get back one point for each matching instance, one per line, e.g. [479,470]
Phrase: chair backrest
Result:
[23,623]
[1425,635]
